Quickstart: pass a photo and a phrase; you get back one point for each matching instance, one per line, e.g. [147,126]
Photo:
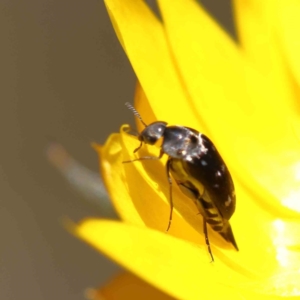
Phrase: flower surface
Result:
[244,97]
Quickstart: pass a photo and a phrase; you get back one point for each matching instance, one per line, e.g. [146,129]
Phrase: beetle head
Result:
[153,132]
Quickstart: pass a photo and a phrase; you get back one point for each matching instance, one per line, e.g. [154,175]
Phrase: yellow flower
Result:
[245,99]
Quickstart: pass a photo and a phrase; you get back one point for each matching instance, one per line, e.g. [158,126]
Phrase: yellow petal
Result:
[256,29]
[209,63]
[236,102]
[288,27]
[273,160]
[158,259]
[115,180]
[142,105]
[254,136]
[143,39]
[258,23]
[172,265]
[228,93]
[145,201]
[267,31]
[128,286]
[232,128]
[141,197]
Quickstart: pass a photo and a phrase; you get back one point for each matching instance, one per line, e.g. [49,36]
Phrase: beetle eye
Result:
[193,139]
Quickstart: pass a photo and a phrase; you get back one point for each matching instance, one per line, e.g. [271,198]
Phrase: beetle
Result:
[198,169]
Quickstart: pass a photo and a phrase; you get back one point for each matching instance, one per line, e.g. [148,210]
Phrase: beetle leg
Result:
[145,158]
[202,212]
[171,197]
[138,148]
[206,239]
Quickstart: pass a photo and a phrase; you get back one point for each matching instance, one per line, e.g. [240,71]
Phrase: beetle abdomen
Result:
[195,190]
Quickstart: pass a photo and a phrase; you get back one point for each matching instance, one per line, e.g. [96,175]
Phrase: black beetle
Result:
[199,171]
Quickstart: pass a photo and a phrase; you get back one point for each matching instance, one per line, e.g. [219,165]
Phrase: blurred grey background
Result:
[64,77]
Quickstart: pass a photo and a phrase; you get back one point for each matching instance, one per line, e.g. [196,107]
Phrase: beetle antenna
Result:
[135,112]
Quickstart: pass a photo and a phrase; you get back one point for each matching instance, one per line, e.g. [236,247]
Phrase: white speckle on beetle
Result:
[202,147]
[183,152]
[189,158]
[228,202]
[203,162]
[218,174]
